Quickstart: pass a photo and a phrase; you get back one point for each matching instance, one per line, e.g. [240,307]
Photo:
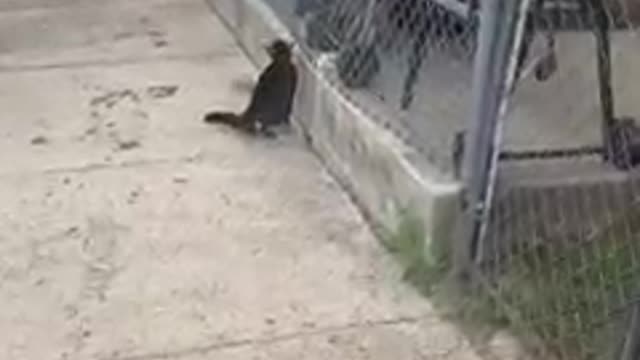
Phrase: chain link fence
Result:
[536,101]
[560,254]
[408,64]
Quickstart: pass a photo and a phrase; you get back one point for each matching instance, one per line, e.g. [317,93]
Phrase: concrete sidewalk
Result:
[130,230]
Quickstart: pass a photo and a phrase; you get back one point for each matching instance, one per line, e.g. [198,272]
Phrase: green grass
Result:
[575,300]
[570,302]
[406,241]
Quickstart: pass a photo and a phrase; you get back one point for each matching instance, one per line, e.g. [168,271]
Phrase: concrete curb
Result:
[381,174]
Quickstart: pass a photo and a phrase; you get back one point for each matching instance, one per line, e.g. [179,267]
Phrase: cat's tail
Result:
[236,121]
[227,118]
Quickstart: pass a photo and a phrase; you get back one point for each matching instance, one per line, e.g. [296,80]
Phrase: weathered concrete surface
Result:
[129,230]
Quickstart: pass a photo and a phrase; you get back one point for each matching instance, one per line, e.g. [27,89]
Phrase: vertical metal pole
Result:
[603,53]
[498,29]
[631,344]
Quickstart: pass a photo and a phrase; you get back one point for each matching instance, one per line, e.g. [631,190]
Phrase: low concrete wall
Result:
[380,172]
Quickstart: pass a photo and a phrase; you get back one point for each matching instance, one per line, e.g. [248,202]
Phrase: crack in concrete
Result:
[40,8]
[230,52]
[92,167]
[271,340]
[122,165]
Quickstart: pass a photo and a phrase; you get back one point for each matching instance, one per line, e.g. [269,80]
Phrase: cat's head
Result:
[279,49]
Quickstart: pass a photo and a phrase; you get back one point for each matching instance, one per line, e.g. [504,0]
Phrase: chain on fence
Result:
[406,63]
[561,256]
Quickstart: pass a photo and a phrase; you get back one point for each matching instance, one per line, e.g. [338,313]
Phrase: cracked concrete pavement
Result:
[130,230]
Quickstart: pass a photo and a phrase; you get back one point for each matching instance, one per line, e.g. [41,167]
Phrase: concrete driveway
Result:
[130,230]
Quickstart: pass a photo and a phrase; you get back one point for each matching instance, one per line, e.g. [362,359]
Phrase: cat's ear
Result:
[290,44]
[268,48]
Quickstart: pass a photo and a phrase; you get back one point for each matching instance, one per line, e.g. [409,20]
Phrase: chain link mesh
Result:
[406,63]
[562,253]
[561,258]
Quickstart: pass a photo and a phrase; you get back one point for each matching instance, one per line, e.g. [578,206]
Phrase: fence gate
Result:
[553,194]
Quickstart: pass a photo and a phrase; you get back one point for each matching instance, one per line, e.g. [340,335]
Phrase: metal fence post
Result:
[631,345]
[500,25]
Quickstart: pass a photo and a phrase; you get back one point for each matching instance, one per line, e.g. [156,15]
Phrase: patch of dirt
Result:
[39,140]
[128,145]
[111,98]
[160,43]
[123,36]
[162,91]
